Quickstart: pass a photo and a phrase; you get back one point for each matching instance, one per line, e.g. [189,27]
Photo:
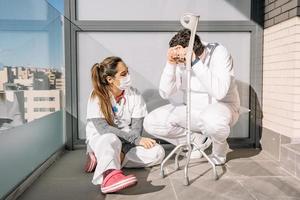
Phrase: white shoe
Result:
[202,142]
[217,160]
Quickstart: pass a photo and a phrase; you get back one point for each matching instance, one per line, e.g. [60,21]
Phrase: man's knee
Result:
[149,122]
[218,128]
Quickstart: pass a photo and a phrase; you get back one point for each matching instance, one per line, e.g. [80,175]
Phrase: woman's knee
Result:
[160,153]
[109,139]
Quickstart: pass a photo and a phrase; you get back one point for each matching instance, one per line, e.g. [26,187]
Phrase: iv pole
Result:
[189,21]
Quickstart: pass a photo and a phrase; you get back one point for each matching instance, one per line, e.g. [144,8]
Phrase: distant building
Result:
[39,103]
[6,76]
[27,83]
[40,81]
[24,73]
[60,84]
[39,91]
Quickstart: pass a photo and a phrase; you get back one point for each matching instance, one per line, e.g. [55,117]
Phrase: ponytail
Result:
[99,74]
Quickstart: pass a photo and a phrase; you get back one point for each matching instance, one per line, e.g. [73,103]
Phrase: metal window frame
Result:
[74,26]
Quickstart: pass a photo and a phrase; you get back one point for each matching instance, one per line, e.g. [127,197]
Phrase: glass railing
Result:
[32,87]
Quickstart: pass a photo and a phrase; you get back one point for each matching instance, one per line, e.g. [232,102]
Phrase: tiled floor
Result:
[249,174]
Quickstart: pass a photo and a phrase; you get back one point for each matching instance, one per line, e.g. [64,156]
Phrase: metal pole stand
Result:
[190,22]
[177,152]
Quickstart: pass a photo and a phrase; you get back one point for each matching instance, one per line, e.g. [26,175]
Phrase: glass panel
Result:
[145,54]
[24,10]
[24,148]
[162,10]
[31,87]
[32,62]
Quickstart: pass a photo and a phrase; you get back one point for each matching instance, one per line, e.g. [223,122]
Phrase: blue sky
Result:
[58,4]
[42,48]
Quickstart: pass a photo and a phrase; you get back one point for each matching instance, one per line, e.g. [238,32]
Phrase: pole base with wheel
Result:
[177,151]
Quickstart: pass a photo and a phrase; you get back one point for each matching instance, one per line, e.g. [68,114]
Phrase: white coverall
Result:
[215,101]
[107,146]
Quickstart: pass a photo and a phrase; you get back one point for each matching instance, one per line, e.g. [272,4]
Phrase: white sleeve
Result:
[167,84]
[93,108]
[217,78]
[140,108]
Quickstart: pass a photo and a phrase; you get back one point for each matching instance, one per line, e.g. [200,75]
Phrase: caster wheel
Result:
[162,174]
[186,181]
[216,177]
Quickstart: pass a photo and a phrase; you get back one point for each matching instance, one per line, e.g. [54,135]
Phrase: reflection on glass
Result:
[10,113]
[31,62]
[39,92]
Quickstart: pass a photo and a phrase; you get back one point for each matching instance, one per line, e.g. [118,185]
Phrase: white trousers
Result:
[107,149]
[168,123]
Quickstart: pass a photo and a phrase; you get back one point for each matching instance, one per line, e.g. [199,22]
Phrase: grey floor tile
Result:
[255,168]
[247,175]
[201,169]
[62,189]
[146,189]
[237,155]
[272,187]
[210,189]
[198,169]
[288,160]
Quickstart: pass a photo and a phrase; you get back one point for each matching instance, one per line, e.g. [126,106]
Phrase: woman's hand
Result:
[147,143]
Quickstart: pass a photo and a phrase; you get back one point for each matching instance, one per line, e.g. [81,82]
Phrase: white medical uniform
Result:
[107,147]
[215,101]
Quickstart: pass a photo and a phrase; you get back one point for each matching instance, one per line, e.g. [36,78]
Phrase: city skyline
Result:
[32,67]
[31,92]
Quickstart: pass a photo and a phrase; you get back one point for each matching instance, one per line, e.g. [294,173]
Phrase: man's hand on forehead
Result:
[178,53]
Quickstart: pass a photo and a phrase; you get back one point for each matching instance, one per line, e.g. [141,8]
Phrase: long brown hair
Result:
[100,71]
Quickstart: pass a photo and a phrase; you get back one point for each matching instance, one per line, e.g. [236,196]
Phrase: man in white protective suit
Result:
[215,102]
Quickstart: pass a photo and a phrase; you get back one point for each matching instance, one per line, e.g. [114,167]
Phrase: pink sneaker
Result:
[116,181]
[91,163]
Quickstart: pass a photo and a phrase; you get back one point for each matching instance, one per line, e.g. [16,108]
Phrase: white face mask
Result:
[125,82]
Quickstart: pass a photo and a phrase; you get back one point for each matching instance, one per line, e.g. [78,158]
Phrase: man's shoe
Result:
[217,160]
[202,142]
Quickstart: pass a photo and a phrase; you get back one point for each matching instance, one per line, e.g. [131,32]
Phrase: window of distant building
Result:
[44,99]
[44,109]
